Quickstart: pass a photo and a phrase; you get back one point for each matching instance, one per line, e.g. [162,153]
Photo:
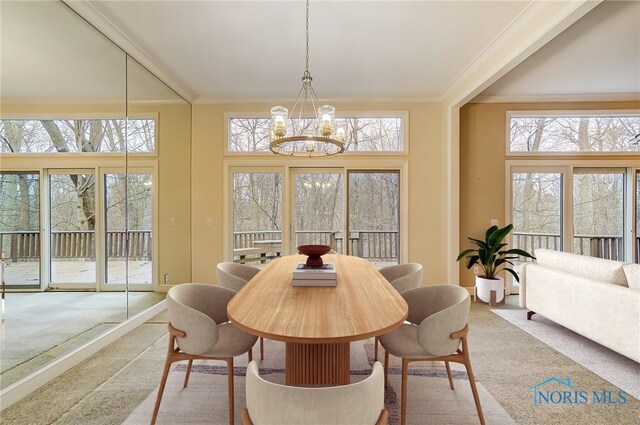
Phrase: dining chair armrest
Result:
[459,334]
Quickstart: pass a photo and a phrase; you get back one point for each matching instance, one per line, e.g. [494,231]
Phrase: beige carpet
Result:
[431,401]
[118,381]
[619,370]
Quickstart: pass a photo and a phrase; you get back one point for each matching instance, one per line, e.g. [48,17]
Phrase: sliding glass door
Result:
[20,228]
[374,216]
[598,212]
[256,215]
[318,208]
[536,210]
[356,212]
[584,210]
[72,230]
[130,258]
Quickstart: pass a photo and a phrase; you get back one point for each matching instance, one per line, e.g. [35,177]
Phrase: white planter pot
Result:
[485,286]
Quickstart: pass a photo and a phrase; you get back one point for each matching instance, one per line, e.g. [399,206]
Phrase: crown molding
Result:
[539,23]
[556,98]
[95,18]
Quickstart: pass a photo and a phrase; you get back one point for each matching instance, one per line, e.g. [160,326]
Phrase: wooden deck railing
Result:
[25,246]
[371,244]
[609,247]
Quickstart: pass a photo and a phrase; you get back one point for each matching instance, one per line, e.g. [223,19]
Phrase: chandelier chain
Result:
[308,136]
[307,34]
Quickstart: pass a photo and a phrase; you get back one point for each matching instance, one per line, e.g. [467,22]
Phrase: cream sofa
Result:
[597,298]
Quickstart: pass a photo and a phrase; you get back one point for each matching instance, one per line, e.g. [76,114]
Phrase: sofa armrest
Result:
[523,284]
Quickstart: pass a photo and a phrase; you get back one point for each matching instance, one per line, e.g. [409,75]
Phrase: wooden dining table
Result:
[318,324]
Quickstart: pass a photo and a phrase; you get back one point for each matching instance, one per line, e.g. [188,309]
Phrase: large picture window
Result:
[77,135]
[572,133]
[363,134]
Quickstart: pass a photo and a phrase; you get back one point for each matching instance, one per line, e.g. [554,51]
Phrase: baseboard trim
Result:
[18,390]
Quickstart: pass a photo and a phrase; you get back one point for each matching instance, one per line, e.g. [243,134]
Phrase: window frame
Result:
[535,113]
[403,115]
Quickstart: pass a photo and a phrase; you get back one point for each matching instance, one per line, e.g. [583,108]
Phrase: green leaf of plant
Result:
[465,252]
[472,260]
[515,275]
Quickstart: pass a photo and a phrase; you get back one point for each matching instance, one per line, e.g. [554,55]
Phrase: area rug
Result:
[619,370]
[430,399]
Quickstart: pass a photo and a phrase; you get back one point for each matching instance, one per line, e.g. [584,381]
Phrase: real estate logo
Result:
[557,391]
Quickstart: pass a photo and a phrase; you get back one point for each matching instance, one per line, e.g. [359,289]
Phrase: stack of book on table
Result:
[314,276]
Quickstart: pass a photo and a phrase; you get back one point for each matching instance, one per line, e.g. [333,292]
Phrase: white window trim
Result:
[569,113]
[403,115]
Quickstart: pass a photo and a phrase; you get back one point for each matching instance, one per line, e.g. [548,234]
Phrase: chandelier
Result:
[297,132]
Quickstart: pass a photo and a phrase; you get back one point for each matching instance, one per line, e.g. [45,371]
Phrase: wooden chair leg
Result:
[403,402]
[386,367]
[230,385]
[246,419]
[472,380]
[261,348]
[163,381]
[375,349]
[186,378]
[449,374]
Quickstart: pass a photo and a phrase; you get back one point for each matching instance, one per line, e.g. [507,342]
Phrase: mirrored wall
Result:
[83,130]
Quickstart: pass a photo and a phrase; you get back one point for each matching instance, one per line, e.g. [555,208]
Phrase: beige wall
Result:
[426,189]
[174,195]
[482,163]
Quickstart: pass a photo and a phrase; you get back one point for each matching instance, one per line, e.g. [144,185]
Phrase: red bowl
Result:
[314,252]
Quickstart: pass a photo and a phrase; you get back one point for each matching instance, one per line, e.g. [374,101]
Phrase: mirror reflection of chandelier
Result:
[295,133]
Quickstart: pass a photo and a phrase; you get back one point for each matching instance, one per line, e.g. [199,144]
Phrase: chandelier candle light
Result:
[317,137]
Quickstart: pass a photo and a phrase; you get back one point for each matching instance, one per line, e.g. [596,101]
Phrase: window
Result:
[573,132]
[20,227]
[536,210]
[355,211]
[77,135]
[363,134]
[257,215]
[576,207]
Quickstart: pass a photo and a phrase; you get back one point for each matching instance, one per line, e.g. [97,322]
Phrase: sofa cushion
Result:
[583,265]
[632,271]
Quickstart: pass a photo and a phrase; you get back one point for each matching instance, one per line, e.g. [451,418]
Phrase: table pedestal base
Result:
[317,364]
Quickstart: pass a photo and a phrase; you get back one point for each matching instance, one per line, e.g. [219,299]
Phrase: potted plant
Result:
[493,257]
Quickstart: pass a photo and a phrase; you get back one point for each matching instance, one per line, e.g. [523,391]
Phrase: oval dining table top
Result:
[361,305]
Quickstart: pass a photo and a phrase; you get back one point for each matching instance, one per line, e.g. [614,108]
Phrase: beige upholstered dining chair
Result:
[199,329]
[361,403]
[401,277]
[437,331]
[234,276]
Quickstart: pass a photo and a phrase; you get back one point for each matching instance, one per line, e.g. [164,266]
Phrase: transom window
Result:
[567,132]
[77,135]
[363,134]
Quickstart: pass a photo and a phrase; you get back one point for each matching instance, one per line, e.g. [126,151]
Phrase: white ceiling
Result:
[242,51]
[599,54]
[381,50]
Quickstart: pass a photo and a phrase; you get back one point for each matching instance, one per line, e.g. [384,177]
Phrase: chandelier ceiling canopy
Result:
[298,132]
